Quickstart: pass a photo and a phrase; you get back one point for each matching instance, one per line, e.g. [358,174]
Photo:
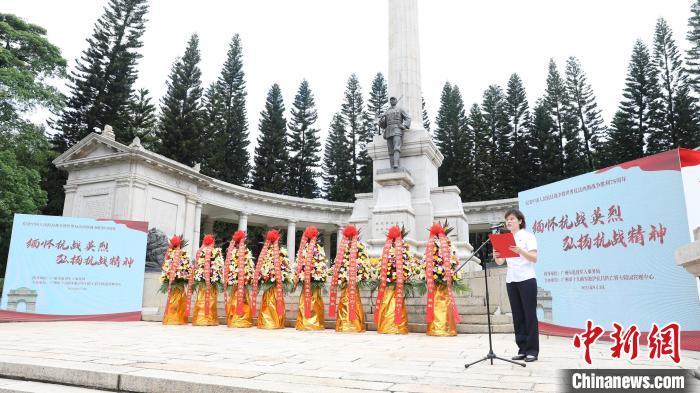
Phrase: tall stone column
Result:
[208,225]
[122,195]
[327,244]
[70,191]
[404,59]
[138,200]
[291,239]
[243,221]
[190,218]
[198,222]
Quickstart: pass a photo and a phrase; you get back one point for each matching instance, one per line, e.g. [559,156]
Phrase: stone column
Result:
[243,221]
[327,245]
[138,200]
[198,223]
[122,196]
[291,239]
[340,236]
[404,59]
[190,219]
[208,224]
[70,190]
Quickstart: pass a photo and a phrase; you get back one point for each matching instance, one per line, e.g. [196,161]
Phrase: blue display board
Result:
[75,267]
[607,243]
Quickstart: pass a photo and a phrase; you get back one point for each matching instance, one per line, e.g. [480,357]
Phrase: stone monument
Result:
[407,193]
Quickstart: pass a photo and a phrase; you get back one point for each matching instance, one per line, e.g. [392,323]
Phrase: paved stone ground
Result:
[150,357]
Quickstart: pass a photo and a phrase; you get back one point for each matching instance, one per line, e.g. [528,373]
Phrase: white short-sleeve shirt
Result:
[519,268]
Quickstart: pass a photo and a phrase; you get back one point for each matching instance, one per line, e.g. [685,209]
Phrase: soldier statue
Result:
[394,122]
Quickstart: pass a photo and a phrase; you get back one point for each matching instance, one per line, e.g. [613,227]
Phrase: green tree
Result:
[544,146]
[142,119]
[181,120]
[571,157]
[692,60]
[518,112]
[673,81]
[225,121]
[378,98]
[480,165]
[585,110]
[337,157]
[452,138]
[304,145]
[271,171]
[24,158]
[352,111]
[27,61]
[639,112]
[495,115]
[102,83]
[426,118]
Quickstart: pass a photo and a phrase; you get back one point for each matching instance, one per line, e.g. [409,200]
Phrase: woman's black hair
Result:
[518,214]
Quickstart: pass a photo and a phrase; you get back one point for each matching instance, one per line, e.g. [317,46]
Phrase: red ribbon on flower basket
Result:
[271,239]
[444,250]
[207,247]
[237,240]
[242,251]
[339,256]
[308,241]
[352,277]
[174,245]
[393,238]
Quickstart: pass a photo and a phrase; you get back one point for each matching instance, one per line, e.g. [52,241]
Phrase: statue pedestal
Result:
[410,197]
[393,203]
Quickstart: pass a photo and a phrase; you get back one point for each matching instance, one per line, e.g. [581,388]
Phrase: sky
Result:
[472,44]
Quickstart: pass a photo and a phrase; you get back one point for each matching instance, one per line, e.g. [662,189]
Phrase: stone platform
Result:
[472,311]
[75,357]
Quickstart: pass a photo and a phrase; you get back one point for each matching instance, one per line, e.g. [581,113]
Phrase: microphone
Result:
[497,226]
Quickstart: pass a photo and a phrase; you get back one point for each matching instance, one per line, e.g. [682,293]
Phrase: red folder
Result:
[502,244]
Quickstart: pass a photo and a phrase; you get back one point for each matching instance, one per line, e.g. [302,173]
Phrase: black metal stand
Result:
[489,356]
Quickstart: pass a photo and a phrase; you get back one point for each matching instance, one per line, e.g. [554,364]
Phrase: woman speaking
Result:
[522,286]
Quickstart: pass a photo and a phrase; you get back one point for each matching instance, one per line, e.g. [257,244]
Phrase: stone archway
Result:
[22,295]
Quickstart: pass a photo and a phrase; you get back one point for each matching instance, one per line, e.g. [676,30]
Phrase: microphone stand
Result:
[491,355]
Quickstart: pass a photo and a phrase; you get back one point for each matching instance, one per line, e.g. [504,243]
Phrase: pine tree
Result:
[672,77]
[555,97]
[496,119]
[584,110]
[304,145]
[142,119]
[426,118]
[692,61]
[102,83]
[571,157]
[365,169]
[271,171]
[481,170]
[352,111]
[226,122]
[544,146]
[337,168]
[687,118]
[638,115]
[518,112]
[179,134]
[452,138]
[378,98]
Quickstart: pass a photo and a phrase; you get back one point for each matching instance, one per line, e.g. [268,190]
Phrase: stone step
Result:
[461,328]
[468,323]
[19,386]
